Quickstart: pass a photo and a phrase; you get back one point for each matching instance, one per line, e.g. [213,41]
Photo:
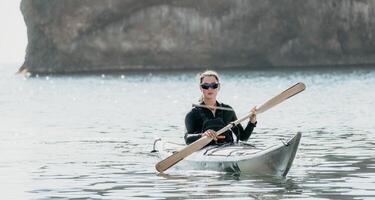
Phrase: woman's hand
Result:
[253,116]
[210,133]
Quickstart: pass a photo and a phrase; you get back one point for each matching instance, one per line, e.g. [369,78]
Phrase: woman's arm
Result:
[192,128]
[241,133]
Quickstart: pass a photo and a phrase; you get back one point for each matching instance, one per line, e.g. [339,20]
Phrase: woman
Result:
[204,121]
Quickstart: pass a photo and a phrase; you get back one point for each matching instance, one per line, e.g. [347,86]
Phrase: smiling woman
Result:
[13,37]
[205,121]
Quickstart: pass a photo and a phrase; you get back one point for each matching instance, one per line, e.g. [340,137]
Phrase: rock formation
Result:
[95,35]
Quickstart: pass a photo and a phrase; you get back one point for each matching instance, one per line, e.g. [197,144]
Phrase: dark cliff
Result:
[96,35]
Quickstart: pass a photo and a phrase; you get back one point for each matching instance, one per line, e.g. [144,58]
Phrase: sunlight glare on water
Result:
[90,136]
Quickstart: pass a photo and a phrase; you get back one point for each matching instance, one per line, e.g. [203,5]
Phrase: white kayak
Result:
[275,160]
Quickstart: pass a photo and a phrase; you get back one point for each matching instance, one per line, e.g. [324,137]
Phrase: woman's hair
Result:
[205,74]
[208,73]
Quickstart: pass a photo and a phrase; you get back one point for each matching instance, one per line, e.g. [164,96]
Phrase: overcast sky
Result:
[13,37]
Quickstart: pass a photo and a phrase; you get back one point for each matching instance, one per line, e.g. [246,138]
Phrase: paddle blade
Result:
[176,157]
[295,89]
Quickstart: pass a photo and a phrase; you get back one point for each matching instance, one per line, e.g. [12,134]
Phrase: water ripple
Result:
[90,137]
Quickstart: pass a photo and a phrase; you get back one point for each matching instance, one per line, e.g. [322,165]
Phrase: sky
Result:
[13,36]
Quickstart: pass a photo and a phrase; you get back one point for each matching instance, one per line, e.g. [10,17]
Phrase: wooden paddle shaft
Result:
[295,89]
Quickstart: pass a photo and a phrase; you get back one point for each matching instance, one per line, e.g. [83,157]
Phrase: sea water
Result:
[90,136]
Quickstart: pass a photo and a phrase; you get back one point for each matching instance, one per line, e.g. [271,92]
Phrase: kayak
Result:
[275,160]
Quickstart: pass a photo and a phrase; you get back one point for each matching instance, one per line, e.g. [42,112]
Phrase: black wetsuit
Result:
[199,119]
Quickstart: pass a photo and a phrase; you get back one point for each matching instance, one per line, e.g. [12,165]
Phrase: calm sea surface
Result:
[90,136]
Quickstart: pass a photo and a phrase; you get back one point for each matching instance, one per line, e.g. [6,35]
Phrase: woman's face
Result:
[209,93]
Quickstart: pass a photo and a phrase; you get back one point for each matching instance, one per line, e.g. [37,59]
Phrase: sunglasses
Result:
[206,86]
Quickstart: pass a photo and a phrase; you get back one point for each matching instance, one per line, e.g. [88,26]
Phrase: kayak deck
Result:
[275,160]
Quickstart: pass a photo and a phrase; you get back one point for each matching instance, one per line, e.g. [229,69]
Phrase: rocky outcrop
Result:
[96,35]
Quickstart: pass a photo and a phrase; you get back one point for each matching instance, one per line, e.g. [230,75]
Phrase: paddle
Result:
[199,144]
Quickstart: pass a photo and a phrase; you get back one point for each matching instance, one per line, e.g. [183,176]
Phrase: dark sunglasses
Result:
[206,86]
